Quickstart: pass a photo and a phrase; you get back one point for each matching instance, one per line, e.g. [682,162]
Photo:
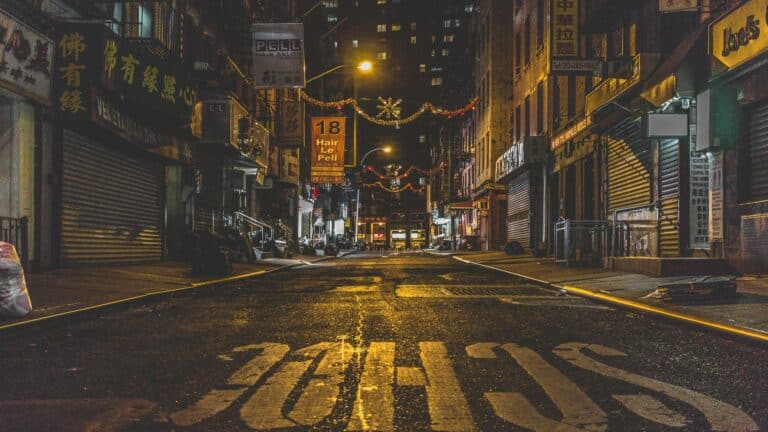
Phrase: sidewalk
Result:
[71,290]
[747,311]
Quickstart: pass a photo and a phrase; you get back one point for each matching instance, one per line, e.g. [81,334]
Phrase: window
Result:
[448,38]
[331,4]
[413,26]
[422,138]
[434,38]
[571,96]
[527,40]
[381,28]
[540,24]
[381,2]
[457,23]
[381,55]
[469,7]
[422,67]
[436,69]
[333,18]
[395,27]
[447,23]
[518,48]
[540,108]
[445,52]
[413,40]
[433,53]
[355,43]
[527,116]
[437,81]
[518,121]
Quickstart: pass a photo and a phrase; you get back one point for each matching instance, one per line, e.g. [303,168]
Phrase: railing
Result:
[242,217]
[580,242]
[15,231]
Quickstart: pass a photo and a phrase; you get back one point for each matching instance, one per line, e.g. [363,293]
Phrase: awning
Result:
[248,165]
[464,205]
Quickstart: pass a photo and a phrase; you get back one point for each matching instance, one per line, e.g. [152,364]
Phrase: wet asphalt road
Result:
[403,342]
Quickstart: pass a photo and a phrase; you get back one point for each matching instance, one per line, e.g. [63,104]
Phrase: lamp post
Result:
[385,149]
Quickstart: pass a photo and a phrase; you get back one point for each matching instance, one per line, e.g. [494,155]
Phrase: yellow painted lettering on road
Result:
[578,409]
[264,409]
[652,409]
[218,400]
[322,391]
[375,403]
[720,415]
[515,408]
[448,407]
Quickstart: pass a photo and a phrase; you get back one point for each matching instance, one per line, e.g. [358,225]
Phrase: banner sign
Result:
[741,35]
[328,138]
[565,28]
[26,59]
[278,55]
[677,6]
[292,133]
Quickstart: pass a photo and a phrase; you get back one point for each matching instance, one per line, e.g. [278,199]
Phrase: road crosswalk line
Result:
[264,409]
[374,403]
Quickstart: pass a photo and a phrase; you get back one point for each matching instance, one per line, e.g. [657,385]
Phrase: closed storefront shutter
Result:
[758,153]
[669,191]
[111,205]
[518,210]
[629,166]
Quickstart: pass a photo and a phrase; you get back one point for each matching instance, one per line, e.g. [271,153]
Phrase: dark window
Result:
[540,109]
[555,104]
[528,116]
[518,47]
[540,24]
[571,96]
[527,41]
[518,129]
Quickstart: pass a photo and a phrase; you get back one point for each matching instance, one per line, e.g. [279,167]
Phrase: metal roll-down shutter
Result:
[111,205]
[758,153]
[519,210]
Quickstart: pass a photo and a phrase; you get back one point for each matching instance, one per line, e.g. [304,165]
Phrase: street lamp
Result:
[364,67]
[385,149]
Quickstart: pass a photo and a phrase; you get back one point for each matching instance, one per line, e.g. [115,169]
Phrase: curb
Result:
[744,332]
[150,295]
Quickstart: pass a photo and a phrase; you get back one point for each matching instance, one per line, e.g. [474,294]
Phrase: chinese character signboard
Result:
[328,137]
[677,6]
[146,79]
[278,55]
[76,48]
[26,59]
[289,166]
[741,35]
[292,120]
[565,28]
[699,228]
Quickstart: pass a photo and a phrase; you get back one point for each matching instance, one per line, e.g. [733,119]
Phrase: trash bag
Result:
[14,297]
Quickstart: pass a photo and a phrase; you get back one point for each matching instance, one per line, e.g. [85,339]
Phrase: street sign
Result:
[328,138]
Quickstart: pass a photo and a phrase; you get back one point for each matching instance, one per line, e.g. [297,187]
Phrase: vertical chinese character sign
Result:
[565,28]
[292,134]
[328,137]
[278,55]
[26,59]
[76,48]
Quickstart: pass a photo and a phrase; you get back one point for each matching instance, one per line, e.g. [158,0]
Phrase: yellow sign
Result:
[328,138]
[741,35]
[565,28]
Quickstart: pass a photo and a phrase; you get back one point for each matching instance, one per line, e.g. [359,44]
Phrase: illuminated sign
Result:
[278,55]
[328,138]
[565,28]
[741,35]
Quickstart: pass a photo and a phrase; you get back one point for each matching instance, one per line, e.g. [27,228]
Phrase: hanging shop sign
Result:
[289,166]
[740,35]
[565,28]
[26,59]
[662,125]
[611,88]
[667,6]
[278,55]
[292,132]
[328,138]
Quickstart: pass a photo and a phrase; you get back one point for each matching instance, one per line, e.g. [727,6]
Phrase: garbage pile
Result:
[14,297]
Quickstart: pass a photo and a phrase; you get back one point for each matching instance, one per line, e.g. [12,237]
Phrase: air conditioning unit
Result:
[617,68]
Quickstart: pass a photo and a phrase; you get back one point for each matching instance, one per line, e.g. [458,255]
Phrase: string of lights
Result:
[412,169]
[426,107]
[389,189]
